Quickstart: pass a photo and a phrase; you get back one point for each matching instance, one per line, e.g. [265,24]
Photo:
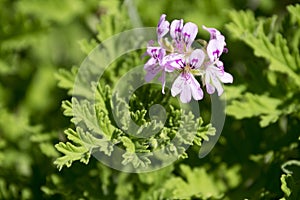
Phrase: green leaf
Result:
[204,132]
[251,105]
[83,144]
[66,79]
[136,160]
[128,144]
[198,184]
[294,10]
[72,152]
[251,31]
[67,107]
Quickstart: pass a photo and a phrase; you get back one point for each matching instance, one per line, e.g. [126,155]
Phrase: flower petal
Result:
[162,27]
[177,85]
[152,71]
[214,33]
[174,61]
[185,95]
[215,49]
[196,89]
[220,65]
[226,78]
[153,51]
[150,63]
[176,29]
[189,33]
[216,82]
[210,88]
[196,58]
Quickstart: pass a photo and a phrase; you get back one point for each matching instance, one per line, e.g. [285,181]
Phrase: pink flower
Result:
[214,73]
[178,55]
[185,84]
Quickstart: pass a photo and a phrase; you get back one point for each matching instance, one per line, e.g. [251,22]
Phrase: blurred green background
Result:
[39,37]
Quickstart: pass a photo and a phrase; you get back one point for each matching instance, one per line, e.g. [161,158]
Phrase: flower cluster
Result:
[178,55]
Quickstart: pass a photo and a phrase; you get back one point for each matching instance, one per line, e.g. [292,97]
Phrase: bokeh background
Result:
[41,40]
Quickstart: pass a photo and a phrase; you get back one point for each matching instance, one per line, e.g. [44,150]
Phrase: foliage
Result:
[276,103]
[45,155]
[284,62]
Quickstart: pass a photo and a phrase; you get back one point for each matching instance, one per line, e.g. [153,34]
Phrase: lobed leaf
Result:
[252,105]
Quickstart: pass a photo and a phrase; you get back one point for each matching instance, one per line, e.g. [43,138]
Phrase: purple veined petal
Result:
[196,90]
[189,33]
[152,71]
[161,54]
[173,62]
[226,78]
[161,19]
[177,85]
[162,27]
[156,53]
[150,63]
[196,58]
[149,46]
[176,29]
[214,33]
[186,94]
[214,49]
[151,51]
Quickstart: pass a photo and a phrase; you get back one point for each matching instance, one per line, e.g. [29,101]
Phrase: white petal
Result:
[212,31]
[151,51]
[185,95]
[196,58]
[150,63]
[207,76]
[176,28]
[210,88]
[162,27]
[189,33]
[226,78]
[174,61]
[215,49]
[217,84]
[177,85]
[196,89]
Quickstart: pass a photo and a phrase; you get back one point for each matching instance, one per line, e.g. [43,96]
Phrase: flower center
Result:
[187,68]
